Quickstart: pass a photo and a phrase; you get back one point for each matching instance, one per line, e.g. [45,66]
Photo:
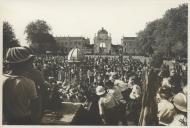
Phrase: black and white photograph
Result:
[94,62]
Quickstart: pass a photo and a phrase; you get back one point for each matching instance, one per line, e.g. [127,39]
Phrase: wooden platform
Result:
[63,116]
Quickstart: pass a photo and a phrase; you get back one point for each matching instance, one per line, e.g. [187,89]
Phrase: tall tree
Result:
[9,39]
[39,37]
[164,34]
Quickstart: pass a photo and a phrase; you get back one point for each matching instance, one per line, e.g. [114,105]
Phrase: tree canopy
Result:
[167,35]
[39,37]
[9,39]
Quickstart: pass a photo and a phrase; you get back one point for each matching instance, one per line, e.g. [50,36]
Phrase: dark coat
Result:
[149,110]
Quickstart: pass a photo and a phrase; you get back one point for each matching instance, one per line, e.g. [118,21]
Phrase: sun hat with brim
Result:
[18,55]
[100,90]
[180,102]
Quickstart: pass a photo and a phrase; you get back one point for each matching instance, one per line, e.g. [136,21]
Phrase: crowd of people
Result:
[75,79]
[119,85]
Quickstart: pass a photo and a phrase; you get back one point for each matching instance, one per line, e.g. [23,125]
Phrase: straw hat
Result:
[180,102]
[100,90]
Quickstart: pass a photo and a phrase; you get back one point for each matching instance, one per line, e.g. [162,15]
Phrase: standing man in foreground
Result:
[107,107]
[20,99]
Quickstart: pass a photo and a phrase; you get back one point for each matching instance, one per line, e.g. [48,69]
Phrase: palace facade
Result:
[129,45]
[67,43]
[102,42]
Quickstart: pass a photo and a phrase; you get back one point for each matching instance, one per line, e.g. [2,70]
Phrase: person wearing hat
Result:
[115,87]
[38,78]
[119,84]
[166,109]
[107,106]
[20,99]
[180,105]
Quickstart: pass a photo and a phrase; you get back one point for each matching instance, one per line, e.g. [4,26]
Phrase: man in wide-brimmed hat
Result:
[165,107]
[180,105]
[107,106]
[20,99]
[38,78]
[116,87]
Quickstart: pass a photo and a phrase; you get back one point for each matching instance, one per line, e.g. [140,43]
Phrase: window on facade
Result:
[75,43]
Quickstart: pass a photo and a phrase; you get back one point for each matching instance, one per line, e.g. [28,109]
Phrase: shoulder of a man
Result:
[8,77]
[27,83]
[30,87]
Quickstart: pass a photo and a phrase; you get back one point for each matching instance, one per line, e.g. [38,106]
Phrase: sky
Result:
[85,17]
